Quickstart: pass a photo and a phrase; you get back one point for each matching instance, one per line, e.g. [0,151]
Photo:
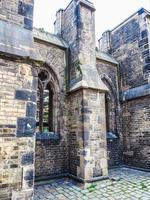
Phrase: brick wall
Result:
[51,158]
[136,133]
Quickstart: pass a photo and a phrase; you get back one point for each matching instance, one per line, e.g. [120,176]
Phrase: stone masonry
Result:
[86,126]
[67,108]
[129,44]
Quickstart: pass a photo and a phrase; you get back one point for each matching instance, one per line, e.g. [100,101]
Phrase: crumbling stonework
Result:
[67,108]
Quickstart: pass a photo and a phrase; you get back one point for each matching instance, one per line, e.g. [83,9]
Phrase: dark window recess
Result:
[111,126]
[107,112]
[44,104]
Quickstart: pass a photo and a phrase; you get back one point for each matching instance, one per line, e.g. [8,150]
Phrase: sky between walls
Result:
[109,13]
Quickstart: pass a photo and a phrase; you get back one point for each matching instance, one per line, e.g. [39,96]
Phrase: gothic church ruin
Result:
[68,108]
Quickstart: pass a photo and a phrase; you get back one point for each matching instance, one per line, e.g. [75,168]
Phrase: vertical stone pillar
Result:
[58,23]
[87,124]
[94,135]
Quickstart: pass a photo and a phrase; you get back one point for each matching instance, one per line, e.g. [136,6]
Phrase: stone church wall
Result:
[82,84]
[51,154]
[109,71]
[18,83]
[130,47]
[19,12]
[136,123]
[17,143]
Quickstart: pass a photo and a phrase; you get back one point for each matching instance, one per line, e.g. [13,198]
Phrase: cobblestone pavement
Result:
[123,184]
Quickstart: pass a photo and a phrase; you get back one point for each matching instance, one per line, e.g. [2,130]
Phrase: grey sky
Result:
[109,13]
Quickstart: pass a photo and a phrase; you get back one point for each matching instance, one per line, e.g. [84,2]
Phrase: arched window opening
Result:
[111,109]
[107,111]
[110,113]
[45,103]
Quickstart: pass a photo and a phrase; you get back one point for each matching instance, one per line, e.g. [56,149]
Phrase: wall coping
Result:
[135,93]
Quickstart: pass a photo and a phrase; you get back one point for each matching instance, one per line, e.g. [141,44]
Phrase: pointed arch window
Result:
[111,107]
[45,97]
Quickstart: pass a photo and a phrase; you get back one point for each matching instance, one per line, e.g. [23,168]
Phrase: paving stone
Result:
[130,185]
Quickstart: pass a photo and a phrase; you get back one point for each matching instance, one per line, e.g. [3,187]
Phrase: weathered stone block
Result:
[19,42]
[144,34]
[28,23]
[146,68]
[27,159]
[22,195]
[25,9]
[31,109]
[25,95]
[143,42]
[29,177]
[25,127]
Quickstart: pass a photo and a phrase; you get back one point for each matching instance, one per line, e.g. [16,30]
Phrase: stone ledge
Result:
[106,57]
[25,127]
[47,136]
[68,175]
[135,93]
[49,38]
[90,80]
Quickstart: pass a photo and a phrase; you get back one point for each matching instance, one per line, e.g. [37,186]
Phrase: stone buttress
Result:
[86,93]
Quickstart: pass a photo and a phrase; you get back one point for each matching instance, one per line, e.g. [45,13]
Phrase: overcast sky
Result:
[109,13]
